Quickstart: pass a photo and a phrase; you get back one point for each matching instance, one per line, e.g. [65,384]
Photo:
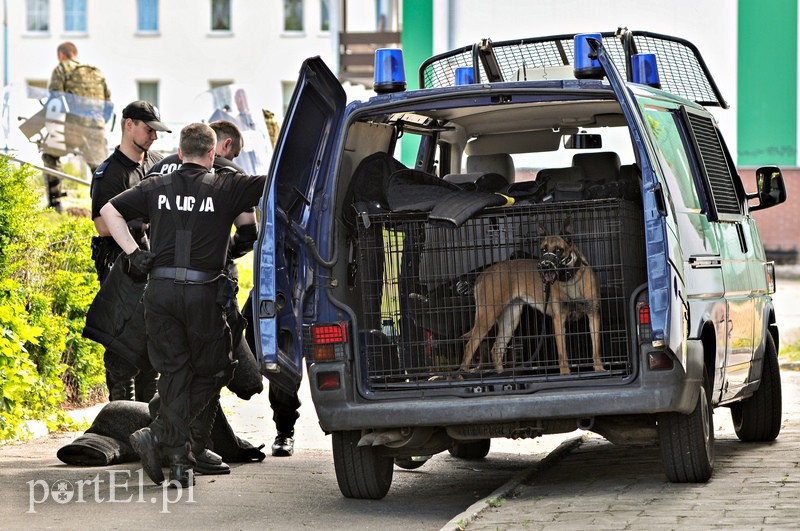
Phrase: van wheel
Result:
[471,450]
[758,418]
[687,441]
[360,471]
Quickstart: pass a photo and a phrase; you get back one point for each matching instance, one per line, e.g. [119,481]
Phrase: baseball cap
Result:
[146,112]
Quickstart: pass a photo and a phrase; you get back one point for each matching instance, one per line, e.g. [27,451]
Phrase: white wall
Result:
[711,25]
[183,57]
[260,56]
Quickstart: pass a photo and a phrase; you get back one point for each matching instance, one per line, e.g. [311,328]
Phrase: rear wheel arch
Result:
[708,339]
[772,329]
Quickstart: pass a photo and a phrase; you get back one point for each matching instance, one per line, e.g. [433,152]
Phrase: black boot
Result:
[210,463]
[121,390]
[146,445]
[283,445]
[181,472]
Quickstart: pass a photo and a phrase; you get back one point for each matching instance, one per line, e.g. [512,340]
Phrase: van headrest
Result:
[500,163]
[603,166]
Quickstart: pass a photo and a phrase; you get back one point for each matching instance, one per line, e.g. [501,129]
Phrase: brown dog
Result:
[503,290]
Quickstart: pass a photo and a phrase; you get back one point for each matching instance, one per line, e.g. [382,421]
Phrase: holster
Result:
[226,297]
[227,288]
[104,253]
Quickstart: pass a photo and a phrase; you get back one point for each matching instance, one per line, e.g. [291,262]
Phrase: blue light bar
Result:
[465,75]
[644,69]
[390,75]
[585,67]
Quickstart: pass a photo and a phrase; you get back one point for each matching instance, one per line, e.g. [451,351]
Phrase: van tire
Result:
[758,418]
[687,441]
[472,449]
[360,471]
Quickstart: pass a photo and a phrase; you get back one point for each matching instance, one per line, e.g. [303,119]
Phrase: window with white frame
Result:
[324,15]
[292,15]
[37,16]
[287,89]
[147,16]
[148,91]
[75,16]
[221,15]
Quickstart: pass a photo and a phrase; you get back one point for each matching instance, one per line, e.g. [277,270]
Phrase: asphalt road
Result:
[301,491]
[279,493]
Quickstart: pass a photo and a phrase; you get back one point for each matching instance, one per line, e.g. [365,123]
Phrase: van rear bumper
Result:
[650,392]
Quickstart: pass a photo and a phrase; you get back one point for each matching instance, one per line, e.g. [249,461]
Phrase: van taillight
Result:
[328,340]
[643,322]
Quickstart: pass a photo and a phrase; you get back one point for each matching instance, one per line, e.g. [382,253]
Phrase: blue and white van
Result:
[366,264]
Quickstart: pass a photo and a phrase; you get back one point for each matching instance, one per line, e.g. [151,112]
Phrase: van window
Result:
[673,157]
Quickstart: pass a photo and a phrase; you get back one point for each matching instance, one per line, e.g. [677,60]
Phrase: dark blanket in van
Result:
[448,203]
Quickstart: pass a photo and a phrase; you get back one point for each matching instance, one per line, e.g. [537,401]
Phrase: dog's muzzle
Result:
[548,267]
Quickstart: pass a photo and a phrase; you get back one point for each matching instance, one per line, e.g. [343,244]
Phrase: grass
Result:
[790,352]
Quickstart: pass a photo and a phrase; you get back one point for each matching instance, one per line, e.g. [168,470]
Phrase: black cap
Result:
[146,112]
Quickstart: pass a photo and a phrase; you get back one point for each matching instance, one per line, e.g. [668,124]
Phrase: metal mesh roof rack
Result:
[681,67]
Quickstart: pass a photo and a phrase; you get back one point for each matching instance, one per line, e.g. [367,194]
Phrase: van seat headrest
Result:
[500,163]
[603,166]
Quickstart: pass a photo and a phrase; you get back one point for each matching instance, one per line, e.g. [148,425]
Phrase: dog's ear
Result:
[566,229]
[542,230]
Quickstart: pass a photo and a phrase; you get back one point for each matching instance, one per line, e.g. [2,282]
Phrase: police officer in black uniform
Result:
[129,164]
[229,145]
[189,342]
[285,406]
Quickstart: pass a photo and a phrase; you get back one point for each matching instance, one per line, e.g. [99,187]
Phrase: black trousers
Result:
[189,344]
[284,409]
[125,381]
[284,405]
[53,182]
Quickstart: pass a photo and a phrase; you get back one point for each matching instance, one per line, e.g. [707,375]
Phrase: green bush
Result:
[47,282]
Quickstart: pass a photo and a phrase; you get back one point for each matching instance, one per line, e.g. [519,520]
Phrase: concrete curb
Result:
[460,521]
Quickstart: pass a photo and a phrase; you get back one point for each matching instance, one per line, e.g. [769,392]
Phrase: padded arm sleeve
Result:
[242,240]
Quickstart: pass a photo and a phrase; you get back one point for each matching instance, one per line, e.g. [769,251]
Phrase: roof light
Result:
[644,69]
[465,75]
[586,67]
[390,75]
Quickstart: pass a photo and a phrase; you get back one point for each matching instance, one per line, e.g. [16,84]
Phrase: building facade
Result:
[176,52]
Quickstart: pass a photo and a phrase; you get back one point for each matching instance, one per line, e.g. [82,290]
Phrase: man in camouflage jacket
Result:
[80,103]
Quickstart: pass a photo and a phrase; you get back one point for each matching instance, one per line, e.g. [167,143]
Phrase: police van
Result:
[570,247]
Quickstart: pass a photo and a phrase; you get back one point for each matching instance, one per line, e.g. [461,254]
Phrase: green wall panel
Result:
[417,46]
[767,82]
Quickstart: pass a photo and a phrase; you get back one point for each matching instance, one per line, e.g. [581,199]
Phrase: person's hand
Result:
[139,263]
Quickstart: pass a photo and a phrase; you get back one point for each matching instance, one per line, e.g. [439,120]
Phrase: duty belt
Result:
[183,274]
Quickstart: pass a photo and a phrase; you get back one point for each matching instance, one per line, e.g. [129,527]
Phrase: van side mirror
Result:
[771,188]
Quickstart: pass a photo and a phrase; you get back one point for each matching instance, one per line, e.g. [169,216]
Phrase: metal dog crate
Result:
[417,281]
